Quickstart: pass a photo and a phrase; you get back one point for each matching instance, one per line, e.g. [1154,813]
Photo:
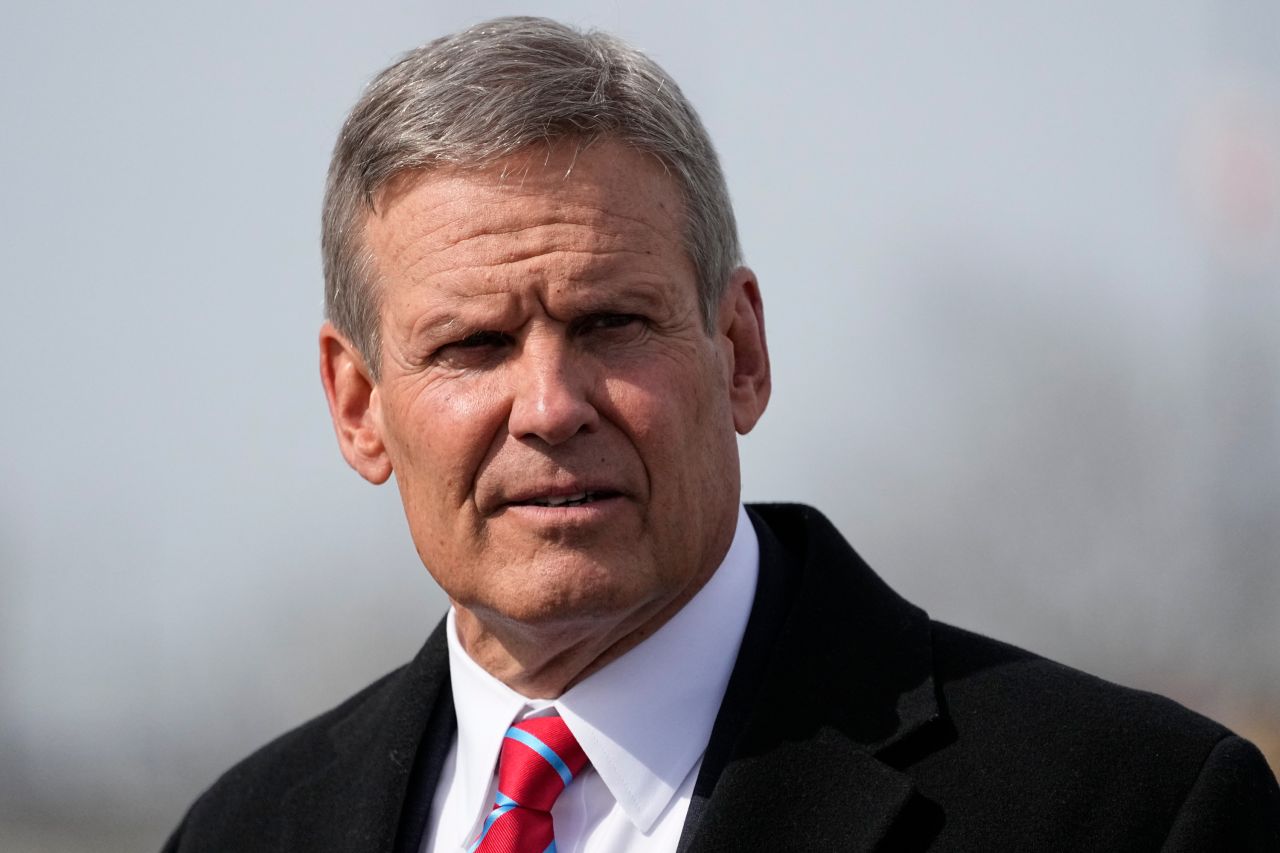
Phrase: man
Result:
[539,323]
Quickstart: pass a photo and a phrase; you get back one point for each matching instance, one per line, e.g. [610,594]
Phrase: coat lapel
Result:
[834,672]
[354,804]
[817,794]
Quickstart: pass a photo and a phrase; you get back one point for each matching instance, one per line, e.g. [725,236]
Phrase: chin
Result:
[571,591]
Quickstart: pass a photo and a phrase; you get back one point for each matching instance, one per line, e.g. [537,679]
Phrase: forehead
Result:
[599,205]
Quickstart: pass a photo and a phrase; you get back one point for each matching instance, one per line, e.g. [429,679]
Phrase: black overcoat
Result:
[851,722]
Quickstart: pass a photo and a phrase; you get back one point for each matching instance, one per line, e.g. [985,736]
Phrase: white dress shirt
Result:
[643,720]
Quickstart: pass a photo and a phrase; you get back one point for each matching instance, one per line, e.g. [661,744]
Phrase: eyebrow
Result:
[450,322]
[438,327]
[647,296]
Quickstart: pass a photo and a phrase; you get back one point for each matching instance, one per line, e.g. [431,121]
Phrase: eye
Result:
[475,347]
[606,322]
[479,340]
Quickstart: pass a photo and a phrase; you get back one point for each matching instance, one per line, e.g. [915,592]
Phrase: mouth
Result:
[577,499]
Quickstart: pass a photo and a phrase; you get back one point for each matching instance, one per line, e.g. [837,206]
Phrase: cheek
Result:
[441,435]
[633,405]
[677,421]
[669,391]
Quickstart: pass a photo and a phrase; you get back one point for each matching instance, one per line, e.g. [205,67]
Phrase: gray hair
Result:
[486,93]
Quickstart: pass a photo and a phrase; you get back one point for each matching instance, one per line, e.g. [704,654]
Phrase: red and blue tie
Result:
[539,759]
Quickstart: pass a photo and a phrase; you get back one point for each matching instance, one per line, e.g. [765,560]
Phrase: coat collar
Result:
[835,674]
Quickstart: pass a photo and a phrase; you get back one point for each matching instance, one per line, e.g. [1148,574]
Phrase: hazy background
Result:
[1021,265]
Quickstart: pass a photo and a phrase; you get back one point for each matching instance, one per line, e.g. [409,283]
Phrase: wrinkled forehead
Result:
[604,197]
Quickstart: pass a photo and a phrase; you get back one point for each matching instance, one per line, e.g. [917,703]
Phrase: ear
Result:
[741,323]
[353,405]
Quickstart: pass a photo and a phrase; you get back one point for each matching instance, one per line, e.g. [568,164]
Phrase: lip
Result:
[556,521]
[528,496]
[591,509]
[521,504]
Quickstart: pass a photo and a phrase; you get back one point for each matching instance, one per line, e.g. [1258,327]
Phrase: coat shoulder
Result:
[240,810]
[1007,685]
[1023,731]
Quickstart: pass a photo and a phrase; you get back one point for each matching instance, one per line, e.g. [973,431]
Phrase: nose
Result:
[551,397]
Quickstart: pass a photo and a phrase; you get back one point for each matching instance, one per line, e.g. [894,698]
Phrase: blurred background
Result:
[1021,264]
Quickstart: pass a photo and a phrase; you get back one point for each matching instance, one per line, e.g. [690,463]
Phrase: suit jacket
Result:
[851,722]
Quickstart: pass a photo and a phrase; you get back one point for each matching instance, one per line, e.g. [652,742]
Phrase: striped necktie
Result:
[539,759]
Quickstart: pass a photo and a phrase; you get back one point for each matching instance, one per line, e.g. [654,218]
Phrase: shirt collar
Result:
[645,718]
